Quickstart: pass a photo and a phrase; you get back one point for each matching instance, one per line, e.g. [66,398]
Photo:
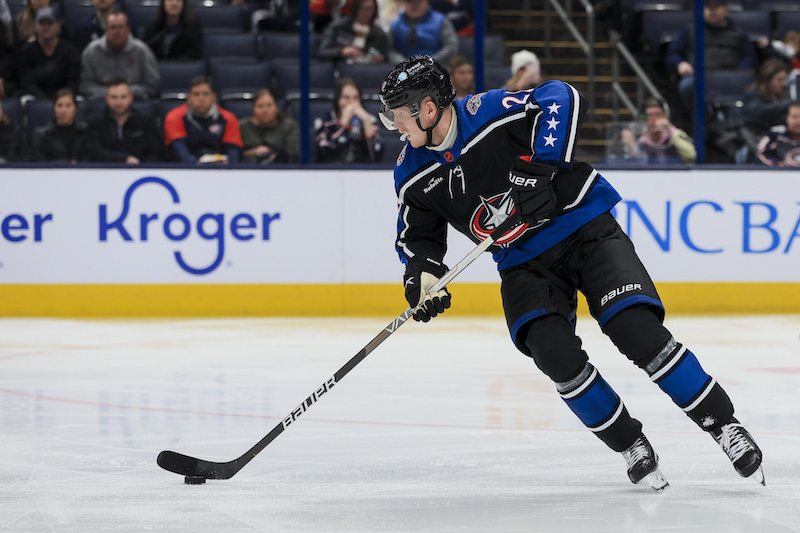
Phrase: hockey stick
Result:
[202,470]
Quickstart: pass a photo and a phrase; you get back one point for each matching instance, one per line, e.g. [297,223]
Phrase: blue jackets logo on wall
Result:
[177,226]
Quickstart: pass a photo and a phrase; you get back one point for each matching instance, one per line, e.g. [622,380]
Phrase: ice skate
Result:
[642,464]
[742,450]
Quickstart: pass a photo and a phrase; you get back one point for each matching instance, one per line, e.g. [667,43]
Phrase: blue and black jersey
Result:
[467,185]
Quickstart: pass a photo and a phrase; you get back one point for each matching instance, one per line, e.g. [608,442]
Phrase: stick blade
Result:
[178,463]
[191,466]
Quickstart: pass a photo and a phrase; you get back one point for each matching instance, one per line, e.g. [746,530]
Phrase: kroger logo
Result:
[178,227]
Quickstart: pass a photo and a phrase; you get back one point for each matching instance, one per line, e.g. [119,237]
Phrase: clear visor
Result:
[392,117]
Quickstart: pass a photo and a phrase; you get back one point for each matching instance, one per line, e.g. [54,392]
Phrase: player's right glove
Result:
[532,191]
[418,283]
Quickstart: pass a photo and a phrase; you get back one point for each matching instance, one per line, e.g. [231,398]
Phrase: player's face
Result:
[400,119]
[119,99]
[793,120]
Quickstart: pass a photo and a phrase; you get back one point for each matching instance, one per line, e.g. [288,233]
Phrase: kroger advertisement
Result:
[178,226]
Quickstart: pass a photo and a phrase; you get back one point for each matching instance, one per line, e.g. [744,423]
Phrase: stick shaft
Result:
[185,465]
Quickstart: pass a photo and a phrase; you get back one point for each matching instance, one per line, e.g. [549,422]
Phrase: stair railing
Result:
[586,44]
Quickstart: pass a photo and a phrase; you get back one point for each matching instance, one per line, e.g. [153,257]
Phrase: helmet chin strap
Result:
[429,131]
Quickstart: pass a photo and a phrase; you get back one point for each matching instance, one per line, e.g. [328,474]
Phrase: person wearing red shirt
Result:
[200,131]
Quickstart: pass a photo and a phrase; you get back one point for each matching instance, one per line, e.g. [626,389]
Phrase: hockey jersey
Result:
[467,185]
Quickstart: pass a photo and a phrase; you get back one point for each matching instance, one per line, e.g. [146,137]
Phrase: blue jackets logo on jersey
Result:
[491,213]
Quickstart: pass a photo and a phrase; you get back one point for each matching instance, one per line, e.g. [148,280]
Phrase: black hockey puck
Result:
[194,480]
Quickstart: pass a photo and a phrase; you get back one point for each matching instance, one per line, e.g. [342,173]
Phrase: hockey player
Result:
[475,162]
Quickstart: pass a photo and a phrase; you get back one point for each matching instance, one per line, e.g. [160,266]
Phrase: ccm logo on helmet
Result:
[519,181]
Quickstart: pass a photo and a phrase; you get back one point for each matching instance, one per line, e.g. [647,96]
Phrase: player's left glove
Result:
[418,283]
[532,191]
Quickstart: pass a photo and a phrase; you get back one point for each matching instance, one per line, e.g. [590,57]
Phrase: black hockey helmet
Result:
[410,82]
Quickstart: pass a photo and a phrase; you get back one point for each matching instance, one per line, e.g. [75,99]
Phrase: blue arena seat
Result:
[662,27]
[756,24]
[285,45]
[495,76]
[239,45]
[165,105]
[176,75]
[286,74]
[12,108]
[239,78]
[727,86]
[139,16]
[786,21]
[218,16]
[368,76]
[493,48]
[240,107]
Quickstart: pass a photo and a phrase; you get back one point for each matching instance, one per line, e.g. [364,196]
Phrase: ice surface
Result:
[445,427]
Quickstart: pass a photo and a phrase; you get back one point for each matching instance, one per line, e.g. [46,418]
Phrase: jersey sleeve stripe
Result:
[573,129]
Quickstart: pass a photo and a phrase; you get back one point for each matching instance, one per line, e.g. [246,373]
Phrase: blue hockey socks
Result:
[677,372]
[600,409]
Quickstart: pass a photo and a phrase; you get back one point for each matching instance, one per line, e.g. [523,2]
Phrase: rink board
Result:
[177,242]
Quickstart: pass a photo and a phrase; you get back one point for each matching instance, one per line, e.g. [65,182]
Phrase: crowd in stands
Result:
[136,81]
[220,83]
[751,70]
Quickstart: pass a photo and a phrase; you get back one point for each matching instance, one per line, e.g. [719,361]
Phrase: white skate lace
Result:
[635,453]
[734,442]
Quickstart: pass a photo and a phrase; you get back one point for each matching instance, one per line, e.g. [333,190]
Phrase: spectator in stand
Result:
[269,136]
[7,24]
[662,142]
[200,131]
[64,139]
[356,38]
[175,33]
[12,147]
[459,12]
[526,71]
[323,12]
[119,54]
[122,134]
[421,30]
[274,15]
[766,103]
[781,146]
[93,26]
[9,61]
[462,74]
[788,49]
[48,63]
[347,133]
[23,24]
[727,47]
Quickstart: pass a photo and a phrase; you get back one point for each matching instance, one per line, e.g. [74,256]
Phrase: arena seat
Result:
[240,79]
[175,76]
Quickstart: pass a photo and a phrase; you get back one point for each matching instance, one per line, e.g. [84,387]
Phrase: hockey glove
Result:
[418,284]
[532,190]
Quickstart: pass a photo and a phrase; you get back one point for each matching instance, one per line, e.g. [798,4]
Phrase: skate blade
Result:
[657,481]
[758,476]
